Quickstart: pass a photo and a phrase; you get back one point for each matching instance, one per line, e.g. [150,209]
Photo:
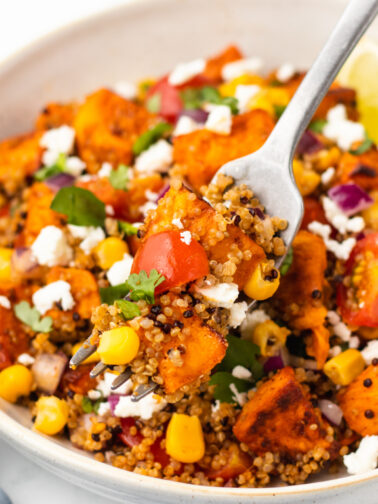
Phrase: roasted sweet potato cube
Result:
[213,70]
[201,220]
[319,345]
[237,462]
[13,339]
[280,418]
[203,152]
[362,169]
[359,402]
[55,115]
[106,127]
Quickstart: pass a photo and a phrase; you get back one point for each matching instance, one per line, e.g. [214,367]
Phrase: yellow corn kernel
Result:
[92,358]
[258,287]
[184,439]
[278,96]
[370,215]
[109,251]
[261,101]
[144,86]
[118,346]
[270,337]
[345,367]
[229,88]
[15,381]
[5,264]
[52,415]
[98,427]
[306,180]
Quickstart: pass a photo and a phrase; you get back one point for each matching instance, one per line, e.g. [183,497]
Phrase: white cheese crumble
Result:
[237,314]
[184,72]
[90,236]
[341,130]
[75,166]
[219,120]
[339,220]
[104,385]
[4,302]
[25,359]
[342,331]
[50,248]
[150,195]
[327,175]
[185,125]
[55,292]
[120,270]
[105,170]
[144,408]
[177,222]
[285,72]
[103,409]
[341,250]
[147,207]
[215,407]
[223,295]
[370,352]
[109,210]
[354,342]
[365,458]
[252,320]
[60,140]
[186,237]
[242,373]
[335,350]
[156,158]
[94,395]
[244,94]
[127,90]
[239,397]
[240,67]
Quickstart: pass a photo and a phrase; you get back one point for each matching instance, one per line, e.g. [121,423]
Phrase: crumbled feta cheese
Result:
[237,314]
[185,125]
[215,407]
[104,385]
[90,236]
[252,319]
[335,350]
[186,237]
[333,317]
[144,408]
[240,67]
[186,71]
[25,359]
[85,178]
[109,210]
[50,157]
[365,458]
[341,250]
[4,302]
[178,223]
[354,342]
[127,90]
[244,94]
[151,196]
[341,130]
[223,295]
[156,158]
[75,166]
[370,352]
[103,409]
[219,120]
[50,248]
[342,331]
[147,207]
[285,72]
[120,270]
[60,140]
[55,292]
[105,170]
[239,397]
[94,395]
[241,372]
[328,175]
[339,220]
[322,230]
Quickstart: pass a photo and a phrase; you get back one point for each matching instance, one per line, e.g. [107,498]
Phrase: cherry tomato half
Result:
[170,99]
[178,262]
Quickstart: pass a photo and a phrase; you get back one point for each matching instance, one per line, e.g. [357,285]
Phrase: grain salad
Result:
[114,239]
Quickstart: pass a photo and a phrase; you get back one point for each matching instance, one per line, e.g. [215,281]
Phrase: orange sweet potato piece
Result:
[213,70]
[237,463]
[84,290]
[362,169]
[20,156]
[13,340]
[203,152]
[313,210]
[55,115]
[106,127]
[361,397]
[319,345]
[78,380]
[279,417]
[200,219]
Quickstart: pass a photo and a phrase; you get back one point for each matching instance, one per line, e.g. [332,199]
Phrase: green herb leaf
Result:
[191,98]
[128,309]
[317,125]
[31,317]
[86,405]
[194,98]
[127,228]
[96,405]
[110,294]
[150,137]
[241,353]
[285,266]
[48,171]
[82,207]
[363,147]
[222,381]
[120,177]
[279,110]
[153,104]
[142,286]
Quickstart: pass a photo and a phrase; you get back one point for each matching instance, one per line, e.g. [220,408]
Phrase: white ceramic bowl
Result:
[144,38]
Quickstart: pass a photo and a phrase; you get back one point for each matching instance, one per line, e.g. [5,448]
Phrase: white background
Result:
[22,21]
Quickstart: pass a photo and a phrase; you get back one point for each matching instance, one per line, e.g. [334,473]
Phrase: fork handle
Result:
[283,140]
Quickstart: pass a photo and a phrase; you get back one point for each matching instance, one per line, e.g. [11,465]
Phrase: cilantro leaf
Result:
[153,104]
[150,137]
[143,286]
[110,294]
[195,98]
[285,266]
[317,125]
[241,353]
[59,166]
[363,147]
[127,228]
[191,98]
[222,381]
[81,207]
[86,405]
[279,110]
[31,317]
[128,309]
[119,178]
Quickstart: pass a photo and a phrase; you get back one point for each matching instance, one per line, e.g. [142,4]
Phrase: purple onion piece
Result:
[309,143]
[48,370]
[60,180]
[273,363]
[198,115]
[366,171]
[331,411]
[258,212]
[23,261]
[113,401]
[350,198]
[162,193]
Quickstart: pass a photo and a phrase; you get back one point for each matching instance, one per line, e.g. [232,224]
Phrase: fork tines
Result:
[85,351]
[121,379]
[98,369]
[143,390]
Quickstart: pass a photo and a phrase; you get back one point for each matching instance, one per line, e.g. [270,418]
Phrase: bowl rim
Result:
[27,441]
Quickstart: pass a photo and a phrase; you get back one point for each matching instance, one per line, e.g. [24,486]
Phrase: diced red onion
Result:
[198,115]
[350,198]
[23,261]
[162,193]
[60,180]
[309,143]
[273,363]
[48,370]
[331,411]
[113,401]
[366,171]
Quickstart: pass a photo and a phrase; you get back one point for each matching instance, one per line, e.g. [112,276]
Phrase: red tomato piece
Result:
[178,262]
[170,99]
[358,303]
[160,455]
[126,437]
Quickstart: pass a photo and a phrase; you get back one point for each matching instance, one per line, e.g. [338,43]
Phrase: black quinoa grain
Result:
[181,349]
[224,421]
[33,396]
[158,324]
[34,418]
[374,362]
[70,393]
[316,294]
[211,310]
[166,328]
[369,413]
[237,220]
[156,309]
[244,200]
[96,437]
[368,383]
[75,316]
[188,313]
[116,430]
[178,323]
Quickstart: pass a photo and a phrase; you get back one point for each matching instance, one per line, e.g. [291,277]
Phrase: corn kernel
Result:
[257,287]
[118,346]
[92,358]
[278,96]
[306,180]
[15,381]
[5,264]
[370,215]
[144,86]
[109,251]
[229,88]
[261,101]
[270,337]
[184,439]
[52,415]
[345,367]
